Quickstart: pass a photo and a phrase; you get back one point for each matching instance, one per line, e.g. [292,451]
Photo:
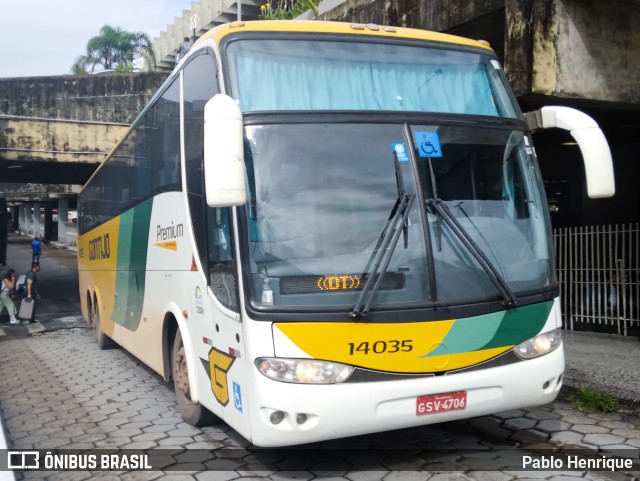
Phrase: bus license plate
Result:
[438,403]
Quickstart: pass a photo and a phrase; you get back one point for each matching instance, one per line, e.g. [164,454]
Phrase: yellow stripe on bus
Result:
[392,347]
[314,26]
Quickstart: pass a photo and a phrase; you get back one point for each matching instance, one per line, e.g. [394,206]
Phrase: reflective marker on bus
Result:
[317,230]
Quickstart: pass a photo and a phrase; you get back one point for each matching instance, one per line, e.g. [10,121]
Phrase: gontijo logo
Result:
[99,248]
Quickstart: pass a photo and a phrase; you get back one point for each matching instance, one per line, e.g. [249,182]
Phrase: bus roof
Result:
[315,26]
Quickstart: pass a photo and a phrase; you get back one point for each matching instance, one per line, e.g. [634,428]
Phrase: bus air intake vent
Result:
[314,284]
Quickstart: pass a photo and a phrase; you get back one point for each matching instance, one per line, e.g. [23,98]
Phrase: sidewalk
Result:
[607,362]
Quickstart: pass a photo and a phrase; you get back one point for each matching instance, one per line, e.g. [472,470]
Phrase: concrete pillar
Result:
[4,223]
[16,218]
[63,218]
[22,218]
[49,231]
[36,225]
[28,224]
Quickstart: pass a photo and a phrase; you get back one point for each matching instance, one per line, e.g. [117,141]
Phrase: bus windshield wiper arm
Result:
[381,257]
[442,211]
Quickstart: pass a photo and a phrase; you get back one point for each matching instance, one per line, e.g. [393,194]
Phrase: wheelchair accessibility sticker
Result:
[237,397]
[428,144]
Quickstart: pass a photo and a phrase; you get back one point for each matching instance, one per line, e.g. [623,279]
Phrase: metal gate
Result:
[598,269]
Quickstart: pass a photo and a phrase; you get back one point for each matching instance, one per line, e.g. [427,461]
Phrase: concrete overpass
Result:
[205,14]
[54,132]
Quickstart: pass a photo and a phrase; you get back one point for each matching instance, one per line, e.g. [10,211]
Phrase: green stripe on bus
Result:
[497,329]
[521,324]
[132,263]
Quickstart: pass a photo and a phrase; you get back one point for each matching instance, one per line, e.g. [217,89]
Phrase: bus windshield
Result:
[289,74]
[324,191]
[321,195]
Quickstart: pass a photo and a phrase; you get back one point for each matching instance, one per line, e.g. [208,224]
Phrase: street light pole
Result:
[239,10]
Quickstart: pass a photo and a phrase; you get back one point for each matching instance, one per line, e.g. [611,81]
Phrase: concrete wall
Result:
[598,50]
[56,130]
[45,140]
[104,98]
[584,49]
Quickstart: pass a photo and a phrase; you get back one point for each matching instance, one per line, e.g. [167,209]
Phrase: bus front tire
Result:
[192,412]
[104,341]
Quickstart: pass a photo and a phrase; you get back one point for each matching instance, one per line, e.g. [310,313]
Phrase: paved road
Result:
[58,391]
[57,284]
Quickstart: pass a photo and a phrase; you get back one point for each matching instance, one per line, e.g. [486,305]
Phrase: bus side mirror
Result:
[224,169]
[598,165]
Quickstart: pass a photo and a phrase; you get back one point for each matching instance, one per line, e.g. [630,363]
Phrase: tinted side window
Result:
[200,84]
[211,226]
[145,163]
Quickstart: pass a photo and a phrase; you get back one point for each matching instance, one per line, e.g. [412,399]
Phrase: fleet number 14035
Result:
[380,347]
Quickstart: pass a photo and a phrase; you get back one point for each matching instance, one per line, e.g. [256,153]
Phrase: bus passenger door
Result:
[225,356]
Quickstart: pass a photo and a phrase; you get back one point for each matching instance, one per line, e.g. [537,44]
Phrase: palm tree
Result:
[113,47]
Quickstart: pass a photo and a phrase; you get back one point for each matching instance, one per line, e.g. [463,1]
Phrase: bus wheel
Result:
[192,412]
[104,341]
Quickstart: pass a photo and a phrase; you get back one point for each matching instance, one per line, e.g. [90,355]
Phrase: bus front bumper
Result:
[290,414]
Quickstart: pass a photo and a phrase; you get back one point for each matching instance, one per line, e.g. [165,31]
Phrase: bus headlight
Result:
[303,371]
[540,345]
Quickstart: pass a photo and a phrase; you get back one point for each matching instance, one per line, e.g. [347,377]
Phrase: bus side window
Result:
[220,249]
[211,226]
[222,276]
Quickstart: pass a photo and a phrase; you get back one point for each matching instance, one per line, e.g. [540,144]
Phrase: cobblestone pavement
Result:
[58,391]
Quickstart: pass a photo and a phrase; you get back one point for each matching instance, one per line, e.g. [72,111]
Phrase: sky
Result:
[44,37]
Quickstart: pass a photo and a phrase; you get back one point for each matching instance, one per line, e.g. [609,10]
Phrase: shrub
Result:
[592,400]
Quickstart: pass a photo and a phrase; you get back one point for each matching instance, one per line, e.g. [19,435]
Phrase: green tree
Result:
[287,9]
[113,48]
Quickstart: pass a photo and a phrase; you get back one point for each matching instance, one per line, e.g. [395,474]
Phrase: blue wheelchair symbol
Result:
[428,144]
[237,396]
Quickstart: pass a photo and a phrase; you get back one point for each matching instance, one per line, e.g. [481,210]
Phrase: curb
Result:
[629,407]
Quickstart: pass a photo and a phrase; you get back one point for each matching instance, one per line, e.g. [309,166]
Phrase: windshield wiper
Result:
[442,210]
[381,257]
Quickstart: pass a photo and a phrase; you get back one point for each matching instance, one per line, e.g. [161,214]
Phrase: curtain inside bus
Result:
[278,75]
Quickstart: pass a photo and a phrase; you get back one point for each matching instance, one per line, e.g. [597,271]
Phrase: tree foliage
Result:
[113,48]
[286,9]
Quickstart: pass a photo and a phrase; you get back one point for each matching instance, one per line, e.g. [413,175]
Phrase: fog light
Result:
[301,418]
[276,417]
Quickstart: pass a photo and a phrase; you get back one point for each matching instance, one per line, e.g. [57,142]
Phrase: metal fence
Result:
[598,269]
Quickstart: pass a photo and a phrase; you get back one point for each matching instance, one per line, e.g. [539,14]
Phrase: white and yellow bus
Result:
[319,230]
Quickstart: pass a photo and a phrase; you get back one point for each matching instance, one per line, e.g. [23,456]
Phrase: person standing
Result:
[8,284]
[182,49]
[36,248]
[32,292]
